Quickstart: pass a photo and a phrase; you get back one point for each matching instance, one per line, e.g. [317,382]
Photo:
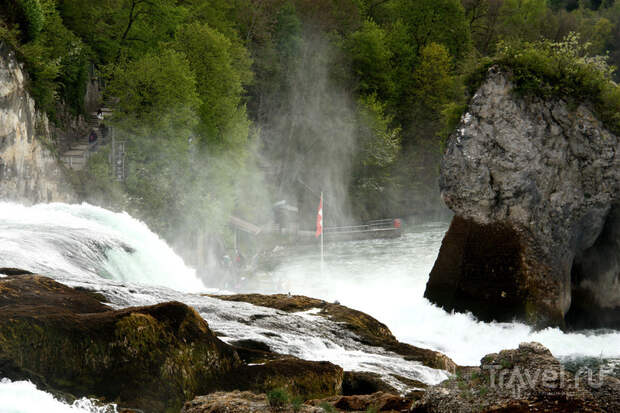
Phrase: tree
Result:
[377,146]
[525,20]
[157,90]
[116,28]
[434,84]
[371,60]
[55,58]
[222,68]
[439,21]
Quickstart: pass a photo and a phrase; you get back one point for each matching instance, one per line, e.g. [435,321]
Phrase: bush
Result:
[278,398]
[558,70]
[327,408]
[33,16]
[296,403]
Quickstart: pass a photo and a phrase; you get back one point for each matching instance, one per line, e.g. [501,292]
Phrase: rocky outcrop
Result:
[379,402]
[535,188]
[153,358]
[359,382]
[237,402]
[301,378]
[29,172]
[369,330]
[245,402]
[528,379]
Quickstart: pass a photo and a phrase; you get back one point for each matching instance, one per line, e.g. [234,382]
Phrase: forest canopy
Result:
[230,105]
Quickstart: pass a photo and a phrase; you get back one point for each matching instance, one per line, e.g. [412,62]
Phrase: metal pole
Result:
[322,233]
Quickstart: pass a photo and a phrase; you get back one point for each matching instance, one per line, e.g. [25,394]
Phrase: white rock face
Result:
[29,172]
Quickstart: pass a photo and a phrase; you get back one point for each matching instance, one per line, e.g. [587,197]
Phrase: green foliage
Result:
[372,409]
[207,88]
[56,61]
[505,363]
[34,17]
[327,408]
[296,403]
[378,146]
[153,86]
[439,21]
[222,68]
[523,19]
[371,60]
[433,81]
[97,184]
[451,115]
[278,398]
[130,28]
[564,70]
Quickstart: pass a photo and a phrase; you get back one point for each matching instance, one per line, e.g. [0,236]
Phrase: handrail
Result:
[370,226]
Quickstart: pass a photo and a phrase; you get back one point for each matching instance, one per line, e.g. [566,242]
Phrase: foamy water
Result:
[82,245]
[23,397]
[387,279]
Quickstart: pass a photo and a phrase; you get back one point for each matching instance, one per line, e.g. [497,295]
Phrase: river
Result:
[82,245]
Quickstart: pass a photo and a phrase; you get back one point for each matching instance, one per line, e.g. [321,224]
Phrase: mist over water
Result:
[387,279]
[82,245]
[117,255]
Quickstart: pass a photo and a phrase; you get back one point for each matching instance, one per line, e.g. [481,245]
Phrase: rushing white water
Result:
[23,397]
[387,279]
[83,242]
[82,245]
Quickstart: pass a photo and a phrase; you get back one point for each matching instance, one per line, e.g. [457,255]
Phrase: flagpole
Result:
[322,232]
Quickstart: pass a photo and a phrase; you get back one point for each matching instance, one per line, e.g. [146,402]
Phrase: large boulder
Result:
[535,188]
[527,379]
[153,358]
[305,379]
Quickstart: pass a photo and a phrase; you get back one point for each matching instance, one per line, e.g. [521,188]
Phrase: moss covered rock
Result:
[526,379]
[369,330]
[306,379]
[153,358]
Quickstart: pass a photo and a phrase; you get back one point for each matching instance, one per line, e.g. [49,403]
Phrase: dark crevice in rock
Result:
[478,261]
[595,278]
[14,271]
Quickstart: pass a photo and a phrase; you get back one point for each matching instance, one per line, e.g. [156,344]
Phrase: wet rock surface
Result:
[236,402]
[368,329]
[535,188]
[152,358]
[306,379]
[358,383]
[245,402]
[528,379]
[70,343]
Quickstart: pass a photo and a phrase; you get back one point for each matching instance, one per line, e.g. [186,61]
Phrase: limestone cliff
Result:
[535,187]
[29,172]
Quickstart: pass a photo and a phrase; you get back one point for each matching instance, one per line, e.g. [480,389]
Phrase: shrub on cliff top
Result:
[558,70]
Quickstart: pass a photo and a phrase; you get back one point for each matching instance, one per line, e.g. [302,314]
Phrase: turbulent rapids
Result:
[86,246]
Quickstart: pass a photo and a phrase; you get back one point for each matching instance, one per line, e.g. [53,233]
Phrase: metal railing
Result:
[376,225]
